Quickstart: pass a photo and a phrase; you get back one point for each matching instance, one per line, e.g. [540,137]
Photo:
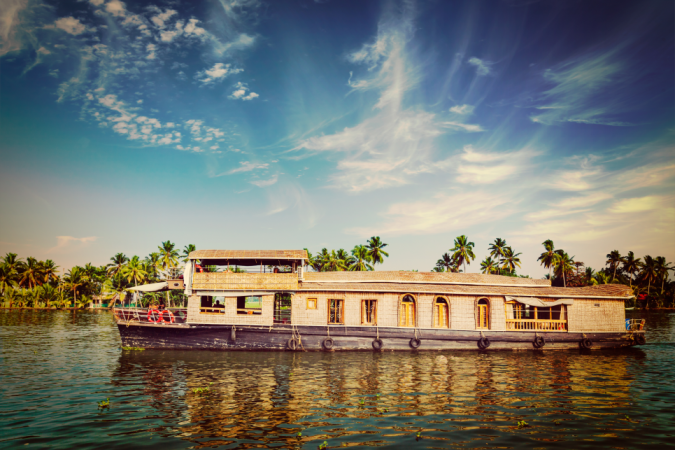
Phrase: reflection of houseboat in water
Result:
[373,310]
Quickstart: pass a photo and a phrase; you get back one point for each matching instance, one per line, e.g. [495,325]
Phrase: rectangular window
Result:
[212,305]
[249,305]
[311,303]
[336,312]
[282,308]
[368,312]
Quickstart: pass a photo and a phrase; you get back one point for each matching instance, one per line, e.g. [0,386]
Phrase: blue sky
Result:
[243,124]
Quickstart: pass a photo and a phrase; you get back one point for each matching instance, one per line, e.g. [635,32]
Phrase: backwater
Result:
[55,366]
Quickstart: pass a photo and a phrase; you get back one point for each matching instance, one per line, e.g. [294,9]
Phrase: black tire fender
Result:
[327,344]
[641,339]
[415,343]
[585,343]
[483,343]
[378,344]
[539,342]
[292,344]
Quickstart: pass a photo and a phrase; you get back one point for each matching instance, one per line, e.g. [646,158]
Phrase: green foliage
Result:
[104,403]
[362,258]
[140,349]
[522,424]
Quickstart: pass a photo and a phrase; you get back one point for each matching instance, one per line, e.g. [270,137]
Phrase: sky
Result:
[249,124]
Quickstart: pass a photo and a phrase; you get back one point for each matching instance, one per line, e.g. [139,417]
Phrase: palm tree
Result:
[153,263]
[333,263]
[463,251]
[631,264]
[511,260]
[135,271]
[168,255]
[563,265]
[601,278]
[375,246]
[662,268]
[488,265]
[497,250]
[361,259]
[446,262]
[49,271]
[548,257]
[74,279]
[12,262]
[11,295]
[118,261]
[7,278]
[31,273]
[321,260]
[346,258]
[49,294]
[613,259]
[649,271]
[438,269]
[186,252]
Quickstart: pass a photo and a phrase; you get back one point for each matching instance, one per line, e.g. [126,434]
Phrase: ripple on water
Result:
[56,366]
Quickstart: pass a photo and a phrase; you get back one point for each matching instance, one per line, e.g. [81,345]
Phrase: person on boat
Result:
[162,306]
[218,304]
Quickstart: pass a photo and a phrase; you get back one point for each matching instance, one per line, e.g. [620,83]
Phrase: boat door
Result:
[483,315]
[407,318]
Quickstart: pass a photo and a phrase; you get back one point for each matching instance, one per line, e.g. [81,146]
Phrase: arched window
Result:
[407,311]
[441,313]
[483,314]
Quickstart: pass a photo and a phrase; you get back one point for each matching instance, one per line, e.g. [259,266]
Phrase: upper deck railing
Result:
[227,281]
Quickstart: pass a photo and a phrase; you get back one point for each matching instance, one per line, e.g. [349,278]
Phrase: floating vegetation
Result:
[104,403]
[35,352]
[323,446]
[140,349]
[362,402]
[299,435]
[201,390]
[419,435]
[522,424]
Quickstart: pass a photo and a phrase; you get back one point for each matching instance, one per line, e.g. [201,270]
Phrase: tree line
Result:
[642,275]
[363,257]
[37,284]
[34,283]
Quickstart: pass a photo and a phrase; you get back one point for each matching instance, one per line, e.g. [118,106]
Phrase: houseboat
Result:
[276,304]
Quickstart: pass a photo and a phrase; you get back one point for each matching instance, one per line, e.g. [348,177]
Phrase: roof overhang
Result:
[249,257]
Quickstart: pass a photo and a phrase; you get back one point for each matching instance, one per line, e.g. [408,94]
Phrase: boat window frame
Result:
[434,318]
[249,311]
[488,310]
[364,312]
[414,310]
[314,300]
[211,309]
[342,310]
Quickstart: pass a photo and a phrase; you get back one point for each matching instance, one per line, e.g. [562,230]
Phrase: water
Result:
[56,365]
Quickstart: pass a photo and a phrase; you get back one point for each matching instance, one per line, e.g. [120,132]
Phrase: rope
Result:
[377,330]
[328,330]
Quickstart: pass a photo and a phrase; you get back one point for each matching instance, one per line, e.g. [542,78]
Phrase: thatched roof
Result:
[249,257]
[497,288]
[421,277]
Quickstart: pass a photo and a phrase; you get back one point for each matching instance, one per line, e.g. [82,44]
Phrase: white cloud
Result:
[246,166]
[116,8]
[464,126]
[217,73]
[239,92]
[242,42]
[482,67]
[579,92]
[96,2]
[62,242]
[462,109]
[640,204]
[265,183]
[161,17]
[151,51]
[70,25]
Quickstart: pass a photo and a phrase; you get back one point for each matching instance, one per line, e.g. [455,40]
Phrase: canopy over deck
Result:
[250,257]
[153,287]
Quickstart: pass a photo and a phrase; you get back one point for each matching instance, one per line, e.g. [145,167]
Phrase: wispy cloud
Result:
[265,183]
[216,73]
[462,109]
[482,67]
[247,166]
[63,242]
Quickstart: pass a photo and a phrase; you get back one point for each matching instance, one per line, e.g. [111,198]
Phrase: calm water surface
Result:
[56,365]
